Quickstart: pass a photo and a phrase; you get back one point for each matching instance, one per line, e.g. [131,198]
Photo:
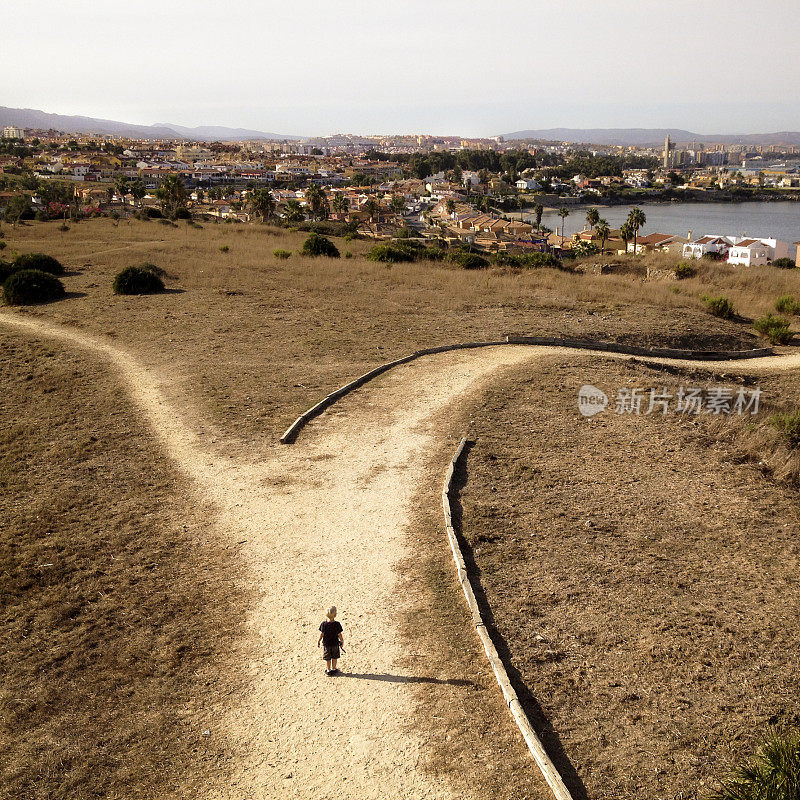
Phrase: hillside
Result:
[33,118]
[650,136]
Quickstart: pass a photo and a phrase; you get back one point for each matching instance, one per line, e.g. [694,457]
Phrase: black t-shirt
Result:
[330,632]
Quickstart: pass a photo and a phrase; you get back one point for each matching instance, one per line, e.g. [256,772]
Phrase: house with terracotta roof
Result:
[707,245]
[653,241]
[749,252]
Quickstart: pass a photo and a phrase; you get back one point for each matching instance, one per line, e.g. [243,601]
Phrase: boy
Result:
[330,635]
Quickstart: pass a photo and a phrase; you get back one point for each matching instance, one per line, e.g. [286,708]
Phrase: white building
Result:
[705,245]
[749,252]
[13,132]
[528,184]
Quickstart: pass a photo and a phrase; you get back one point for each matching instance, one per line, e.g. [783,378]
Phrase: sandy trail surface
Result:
[326,521]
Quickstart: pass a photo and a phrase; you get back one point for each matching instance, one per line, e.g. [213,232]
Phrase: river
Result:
[780,220]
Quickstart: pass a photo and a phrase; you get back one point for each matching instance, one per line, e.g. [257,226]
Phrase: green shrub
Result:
[135,280]
[283,254]
[784,263]
[776,329]
[146,265]
[348,254]
[788,423]
[39,261]
[27,286]
[786,304]
[685,269]
[6,269]
[316,245]
[582,249]
[3,245]
[719,306]
[391,253]
[469,260]
[774,774]
[224,248]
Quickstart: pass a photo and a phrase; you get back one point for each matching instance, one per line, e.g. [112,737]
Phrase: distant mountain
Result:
[32,118]
[650,136]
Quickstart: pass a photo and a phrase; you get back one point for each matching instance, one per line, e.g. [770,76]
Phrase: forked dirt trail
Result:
[323,522]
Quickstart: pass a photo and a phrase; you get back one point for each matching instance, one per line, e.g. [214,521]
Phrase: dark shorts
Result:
[330,652]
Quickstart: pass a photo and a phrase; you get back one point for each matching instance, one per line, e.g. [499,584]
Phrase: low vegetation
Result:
[775,328]
[685,269]
[787,304]
[773,774]
[282,254]
[788,423]
[30,286]
[39,261]
[137,280]
[719,306]
[316,245]
[784,263]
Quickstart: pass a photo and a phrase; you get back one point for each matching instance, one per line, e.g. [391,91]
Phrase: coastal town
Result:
[487,195]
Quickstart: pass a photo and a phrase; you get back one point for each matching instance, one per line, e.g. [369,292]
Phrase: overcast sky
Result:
[468,67]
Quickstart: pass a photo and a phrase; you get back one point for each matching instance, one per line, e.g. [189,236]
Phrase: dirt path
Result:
[326,521]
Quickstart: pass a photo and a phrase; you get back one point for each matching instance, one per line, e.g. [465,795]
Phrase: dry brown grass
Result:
[643,577]
[248,342]
[251,340]
[119,625]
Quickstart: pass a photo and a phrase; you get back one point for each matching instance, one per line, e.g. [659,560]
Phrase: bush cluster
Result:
[468,260]
[685,269]
[137,280]
[28,286]
[784,263]
[775,328]
[282,254]
[316,245]
[531,260]
[39,261]
[719,306]
[786,304]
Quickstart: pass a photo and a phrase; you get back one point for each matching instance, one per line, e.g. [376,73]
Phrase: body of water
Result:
[760,220]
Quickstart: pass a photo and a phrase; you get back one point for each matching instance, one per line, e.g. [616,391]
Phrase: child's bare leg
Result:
[328,664]
[333,662]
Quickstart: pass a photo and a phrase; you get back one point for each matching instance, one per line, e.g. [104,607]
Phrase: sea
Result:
[780,220]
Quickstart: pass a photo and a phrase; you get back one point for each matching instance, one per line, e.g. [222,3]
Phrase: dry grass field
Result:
[643,573]
[108,650]
[118,617]
[254,340]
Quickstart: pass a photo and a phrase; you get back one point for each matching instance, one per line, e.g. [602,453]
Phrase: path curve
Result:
[326,521]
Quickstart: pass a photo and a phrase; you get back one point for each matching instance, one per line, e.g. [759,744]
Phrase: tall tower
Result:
[667,147]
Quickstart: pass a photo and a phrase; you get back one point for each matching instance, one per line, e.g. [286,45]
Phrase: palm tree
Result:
[294,211]
[602,231]
[636,219]
[371,207]
[563,212]
[398,204]
[450,206]
[538,209]
[172,194]
[138,191]
[315,198]
[262,202]
[341,204]
[592,217]
[121,187]
[626,234]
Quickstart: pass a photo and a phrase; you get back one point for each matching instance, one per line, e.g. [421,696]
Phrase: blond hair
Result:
[330,613]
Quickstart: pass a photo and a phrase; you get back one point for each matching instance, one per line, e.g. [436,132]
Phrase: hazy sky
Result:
[474,68]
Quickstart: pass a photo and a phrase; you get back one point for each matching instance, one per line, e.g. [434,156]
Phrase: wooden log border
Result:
[581,344]
[546,766]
